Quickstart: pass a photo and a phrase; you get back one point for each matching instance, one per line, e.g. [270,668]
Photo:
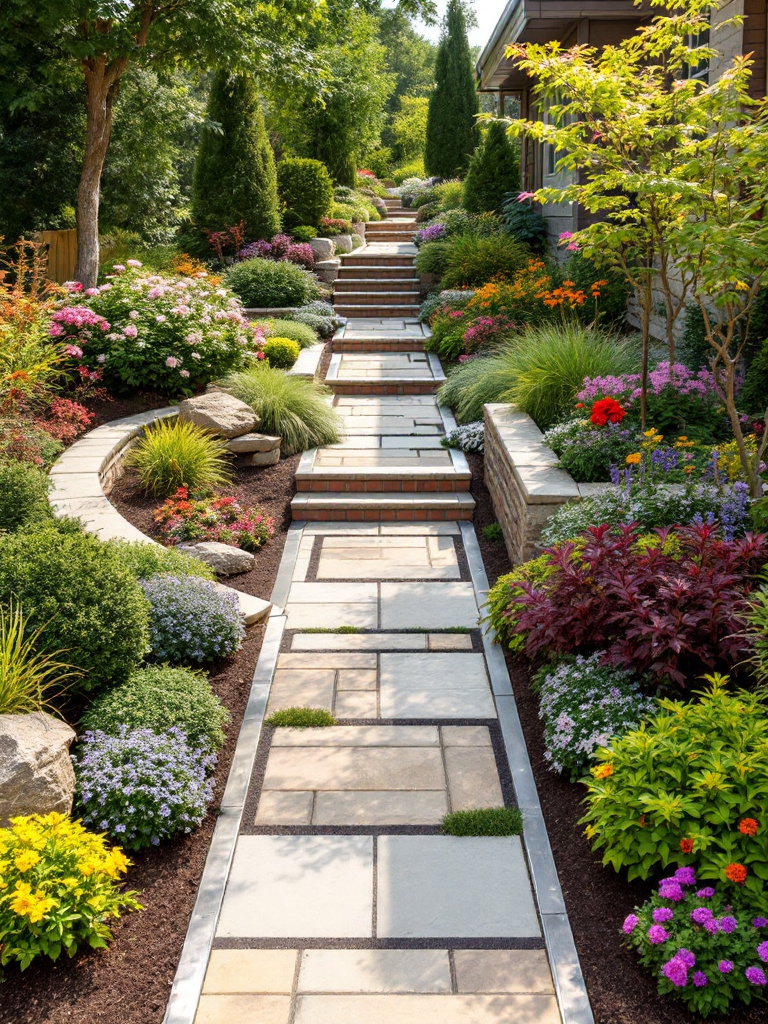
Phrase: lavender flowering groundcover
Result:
[703,944]
[583,705]
[143,787]
[468,438]
[191,621]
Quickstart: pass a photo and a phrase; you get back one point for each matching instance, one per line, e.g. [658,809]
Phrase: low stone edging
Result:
[85,473]
[524,478]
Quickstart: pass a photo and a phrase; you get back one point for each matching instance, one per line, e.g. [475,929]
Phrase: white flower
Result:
[161,319]
[134,314]
[196,355]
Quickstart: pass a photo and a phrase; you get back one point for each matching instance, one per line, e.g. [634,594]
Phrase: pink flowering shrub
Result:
[168,333]
[223,519]
[280,248]
[705,945]
[485,332]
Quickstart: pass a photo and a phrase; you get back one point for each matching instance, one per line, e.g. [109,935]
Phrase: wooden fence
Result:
[62,254]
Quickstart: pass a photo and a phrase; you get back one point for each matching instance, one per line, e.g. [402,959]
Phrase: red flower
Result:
[748,827]
[736,873]
[686,845]
[579,405]
[607,410]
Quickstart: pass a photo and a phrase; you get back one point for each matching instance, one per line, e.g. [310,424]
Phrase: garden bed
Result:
[130,981]
[621,991]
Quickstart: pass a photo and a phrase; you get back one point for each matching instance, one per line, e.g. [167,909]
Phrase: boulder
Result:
[253,443]
[328,270]
[344,243]
[358,228]
[261,459]
[220,413]
[381,206]
[36,773]
[323,248]
[224,559]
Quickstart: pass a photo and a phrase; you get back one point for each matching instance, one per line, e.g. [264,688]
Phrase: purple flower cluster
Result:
[280,248]
[142,787]
[431,234]
[626,388]
[191,620]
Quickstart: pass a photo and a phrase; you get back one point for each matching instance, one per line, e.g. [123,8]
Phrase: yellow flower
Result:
[590,831]
[25,903]
[634,458]
[650,433]
[116,863]
[87,867]
[682,438]
[26,860]
[603,771]
[688,469]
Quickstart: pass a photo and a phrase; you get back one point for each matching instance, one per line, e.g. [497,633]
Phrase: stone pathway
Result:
[331,895]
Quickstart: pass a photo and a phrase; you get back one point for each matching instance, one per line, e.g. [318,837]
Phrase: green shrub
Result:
[301,718]
[540,372]
[158,698]
[433,258]
[143,560]
[293,408]
[503,605]
[450,194]
[493,533]
[473,261]
[75,588]
[414,169]
[272,284]
[487,821]
[305,189]
[695,774]
[175,453]
[303,233]
[282,353]
[493,171]
[23,495]
[525,222]
[27,673]
[304,335]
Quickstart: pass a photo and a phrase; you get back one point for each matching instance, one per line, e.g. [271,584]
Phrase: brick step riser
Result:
[383,515]
[381,274]
[378,260]
[370,287]
[354,345]
[382,227]
[387,486]
[368,388]
[378,298]
[403,237]
[377,312]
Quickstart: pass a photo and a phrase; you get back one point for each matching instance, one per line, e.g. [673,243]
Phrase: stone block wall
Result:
[523,478]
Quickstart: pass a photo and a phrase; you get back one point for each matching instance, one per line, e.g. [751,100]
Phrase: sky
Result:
[488,13]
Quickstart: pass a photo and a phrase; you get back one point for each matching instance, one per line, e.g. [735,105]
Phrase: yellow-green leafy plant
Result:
[688,788]
[175,453]
[282,353]
[504,610]
[59,885]
[27,673]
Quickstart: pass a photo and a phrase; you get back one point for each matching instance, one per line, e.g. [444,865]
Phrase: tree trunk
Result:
[101,83]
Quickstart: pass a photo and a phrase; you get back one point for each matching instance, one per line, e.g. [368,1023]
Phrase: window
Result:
[700,70]
[513,106]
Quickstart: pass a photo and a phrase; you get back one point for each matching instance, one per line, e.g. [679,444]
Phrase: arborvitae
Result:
[493,171]
[452,132]
[235,178]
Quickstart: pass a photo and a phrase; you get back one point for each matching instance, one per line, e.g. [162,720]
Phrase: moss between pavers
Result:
[488,821]
[301,718]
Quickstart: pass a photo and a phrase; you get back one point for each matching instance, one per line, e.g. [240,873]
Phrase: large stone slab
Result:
[435,685]
[428,605]
[374,970]
[299,887]
[225,1009]
[503,970]
[36,774]
[453,887]
[426,1009]
[250,971]
[220,413]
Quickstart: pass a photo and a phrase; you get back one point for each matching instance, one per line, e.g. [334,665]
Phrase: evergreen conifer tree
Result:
[493,171]
[235,178]
[452,131]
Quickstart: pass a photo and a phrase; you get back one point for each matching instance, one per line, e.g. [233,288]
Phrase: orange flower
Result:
[686,845]
[736,873]
[603,772]
[748,827]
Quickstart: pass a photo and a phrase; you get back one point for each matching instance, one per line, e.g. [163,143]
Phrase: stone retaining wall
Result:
[524,479]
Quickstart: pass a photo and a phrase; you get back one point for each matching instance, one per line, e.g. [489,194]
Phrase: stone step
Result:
[392,235]
[380,480]
[380,344]
[377,386]
[373,260]
[383,507]
[377,312]
[384,226]
[363,297]
[372,284]
[371,269]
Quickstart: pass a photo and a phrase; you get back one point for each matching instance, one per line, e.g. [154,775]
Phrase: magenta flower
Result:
[130,331]
[756,976]
[657,934]
[728,925]
[118,267]
[676,972]
[172,362]
[685,876]
[700,979]
[701,915]
[525,195]
[686,956]
[760,922]
[762,952]
[565,235]
[712,926]
[662,914]
[572,247]
[725,966]
[630,923]
[73,286]
[133,263]
[55,330]
[74,351]
[707,892]
[670,890]
[91,291]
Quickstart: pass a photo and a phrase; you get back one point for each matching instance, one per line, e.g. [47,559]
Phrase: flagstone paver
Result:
[340,862]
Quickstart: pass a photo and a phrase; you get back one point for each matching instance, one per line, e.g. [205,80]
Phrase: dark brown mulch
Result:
[598,899]
[129,983]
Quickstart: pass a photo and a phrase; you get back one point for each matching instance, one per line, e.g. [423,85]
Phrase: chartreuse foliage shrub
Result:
[76,589]
[272,284]
[191,621]
[141,786]
[292,329]
[689,787]
[282,353]
[305,189]
[159,697]
[433,258]
[504,608]
[28,673]
[493,171]
[143,560]
[23,495]
[472,261]
[60,887]
[175,453]
[704,944]
[293,408]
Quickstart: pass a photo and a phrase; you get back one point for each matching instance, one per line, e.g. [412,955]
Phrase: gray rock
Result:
[358,228]
[381,206]
[220,413]
[261,459]
[253,443]
[323,248]
[36,774]
[224,559]
[344,243]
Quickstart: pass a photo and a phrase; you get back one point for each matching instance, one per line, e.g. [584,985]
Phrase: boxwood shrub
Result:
[272,284]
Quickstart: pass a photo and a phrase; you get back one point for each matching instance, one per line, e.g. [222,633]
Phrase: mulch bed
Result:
[598,899]
[130,982]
